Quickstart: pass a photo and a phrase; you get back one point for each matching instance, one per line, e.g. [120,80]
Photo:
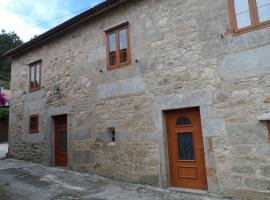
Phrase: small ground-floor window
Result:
[33,123]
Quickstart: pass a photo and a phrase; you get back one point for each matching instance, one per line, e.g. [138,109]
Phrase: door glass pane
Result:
[37,74]
[112,44]
[263,7]
[63,140]
[123,45]
[183,121]
[61,122]
[242,13]
[185,146]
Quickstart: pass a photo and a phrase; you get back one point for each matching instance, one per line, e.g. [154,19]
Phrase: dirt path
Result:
[28,181]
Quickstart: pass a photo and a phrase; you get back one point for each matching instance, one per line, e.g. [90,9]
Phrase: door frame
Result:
[165,161]
[52,140]
[196,112]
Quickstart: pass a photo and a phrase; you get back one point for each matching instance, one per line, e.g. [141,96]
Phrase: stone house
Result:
[171,93]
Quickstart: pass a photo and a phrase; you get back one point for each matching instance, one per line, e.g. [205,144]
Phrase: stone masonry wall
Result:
[186,58]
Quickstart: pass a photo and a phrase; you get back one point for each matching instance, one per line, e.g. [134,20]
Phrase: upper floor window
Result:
[35,76]
[118,46]
[248,15]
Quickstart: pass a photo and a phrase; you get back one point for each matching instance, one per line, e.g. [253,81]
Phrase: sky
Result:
[28,18]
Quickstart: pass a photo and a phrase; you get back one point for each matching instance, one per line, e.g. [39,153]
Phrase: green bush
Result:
[4,113]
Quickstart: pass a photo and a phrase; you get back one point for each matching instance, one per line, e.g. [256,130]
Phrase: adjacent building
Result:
[4,114]
[171,93]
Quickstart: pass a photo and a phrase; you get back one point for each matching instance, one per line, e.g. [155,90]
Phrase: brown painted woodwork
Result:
[37,86]
[34,123]
[116,30]
[186,173]
[61,140]
[268,127]
[255,23]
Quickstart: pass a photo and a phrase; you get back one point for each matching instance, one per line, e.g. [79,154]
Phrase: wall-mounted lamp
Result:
[56,89]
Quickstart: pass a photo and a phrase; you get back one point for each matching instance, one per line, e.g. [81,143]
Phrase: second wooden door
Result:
[185,148]
[61,140]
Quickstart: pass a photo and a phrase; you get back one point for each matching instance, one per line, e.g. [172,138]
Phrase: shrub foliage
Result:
[4,113]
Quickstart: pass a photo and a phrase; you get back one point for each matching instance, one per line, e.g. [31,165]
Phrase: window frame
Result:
[268,128]
[31,117]
[254,17]
[116,30]
[34,64]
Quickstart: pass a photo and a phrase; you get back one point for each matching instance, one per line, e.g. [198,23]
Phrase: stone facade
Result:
[186,57]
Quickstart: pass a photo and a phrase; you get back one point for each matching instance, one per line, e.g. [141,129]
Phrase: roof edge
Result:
[64,27]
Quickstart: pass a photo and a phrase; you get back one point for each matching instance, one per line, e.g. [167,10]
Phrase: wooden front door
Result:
[61,140]
[185,148]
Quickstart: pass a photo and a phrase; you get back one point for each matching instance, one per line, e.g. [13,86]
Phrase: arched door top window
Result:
[183,121]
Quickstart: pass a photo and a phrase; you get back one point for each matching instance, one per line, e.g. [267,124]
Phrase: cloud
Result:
[23,16]
[12,21]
